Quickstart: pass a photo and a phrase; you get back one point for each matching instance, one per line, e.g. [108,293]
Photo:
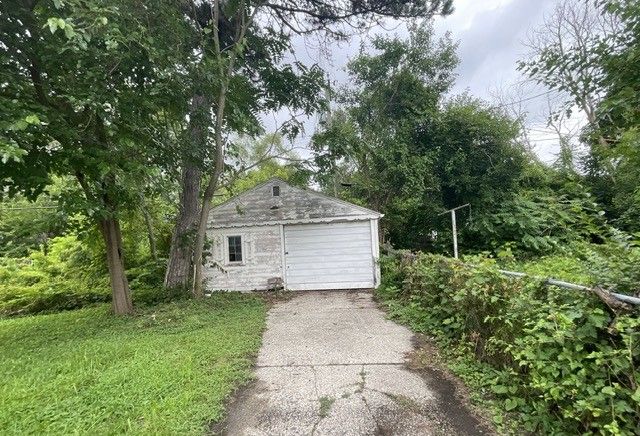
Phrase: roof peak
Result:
[252,204]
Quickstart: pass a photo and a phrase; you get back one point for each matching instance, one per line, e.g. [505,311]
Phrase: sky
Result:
[491,34]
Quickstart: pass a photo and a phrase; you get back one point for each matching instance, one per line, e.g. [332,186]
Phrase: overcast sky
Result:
[491,35]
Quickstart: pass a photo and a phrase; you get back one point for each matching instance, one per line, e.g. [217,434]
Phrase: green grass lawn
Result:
[166,370]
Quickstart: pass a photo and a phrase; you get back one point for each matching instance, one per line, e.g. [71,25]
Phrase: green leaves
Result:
[58,23]
[33,119]
[55,24]
[510,404]
[550,358]
[10,151]
[540,222]
[407,152]
[500,389]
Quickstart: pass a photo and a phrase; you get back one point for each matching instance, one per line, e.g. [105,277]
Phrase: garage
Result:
[277,235]
[329,256]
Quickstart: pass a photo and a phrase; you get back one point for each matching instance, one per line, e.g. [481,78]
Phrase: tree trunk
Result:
[121,296]
[198,290]
[179,269]
[178,273]
[218,167]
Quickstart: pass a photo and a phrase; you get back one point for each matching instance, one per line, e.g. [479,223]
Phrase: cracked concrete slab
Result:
[332,364]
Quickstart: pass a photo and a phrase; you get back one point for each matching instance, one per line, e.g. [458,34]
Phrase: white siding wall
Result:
[261,252]
[375,249]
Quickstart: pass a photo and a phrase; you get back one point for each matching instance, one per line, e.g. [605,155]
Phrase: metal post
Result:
[454,227]
[455,233]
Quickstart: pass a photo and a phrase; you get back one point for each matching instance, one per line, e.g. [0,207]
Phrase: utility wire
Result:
[545,139]
[523,100]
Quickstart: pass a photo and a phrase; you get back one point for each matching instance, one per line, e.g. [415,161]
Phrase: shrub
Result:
[147,288]
[560,361]
[61,279]
[68,277]
[538,222]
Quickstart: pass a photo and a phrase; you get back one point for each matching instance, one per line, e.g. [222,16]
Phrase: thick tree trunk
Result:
[121,296]
[179,270]
[179,266]
[110,230]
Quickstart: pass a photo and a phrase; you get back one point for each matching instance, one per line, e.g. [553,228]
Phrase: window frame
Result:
[275,188]
[236,246]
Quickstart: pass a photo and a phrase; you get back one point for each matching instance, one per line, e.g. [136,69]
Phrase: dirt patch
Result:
[247,397]
[273,297]
[453,395]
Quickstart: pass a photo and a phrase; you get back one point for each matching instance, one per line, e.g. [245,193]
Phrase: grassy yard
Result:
[166,370]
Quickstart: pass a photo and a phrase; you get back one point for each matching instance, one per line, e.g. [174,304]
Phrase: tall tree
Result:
[240,72]
[240,29]
[619,55]
[589,50]
[371,143]
[619,110]
[81,86]
[563,57]
[400,83]
[403,149]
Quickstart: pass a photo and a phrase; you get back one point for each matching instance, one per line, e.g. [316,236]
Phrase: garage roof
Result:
[260,206]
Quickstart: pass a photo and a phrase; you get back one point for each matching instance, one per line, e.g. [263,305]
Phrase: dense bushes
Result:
[557,361]
[26,226]
[69,275]
[538,222]
[60,279]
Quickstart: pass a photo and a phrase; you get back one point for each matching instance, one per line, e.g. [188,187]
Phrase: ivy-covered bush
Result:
[557,361]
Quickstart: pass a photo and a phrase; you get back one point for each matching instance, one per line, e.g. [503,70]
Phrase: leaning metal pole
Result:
[453,227]
[549,281]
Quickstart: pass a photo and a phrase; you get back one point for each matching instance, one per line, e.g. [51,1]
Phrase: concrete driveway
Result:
[331,364]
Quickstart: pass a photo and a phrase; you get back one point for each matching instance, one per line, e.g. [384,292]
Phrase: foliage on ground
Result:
[553,360]
[166,370]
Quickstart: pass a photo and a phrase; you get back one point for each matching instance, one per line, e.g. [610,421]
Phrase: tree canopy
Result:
[404,148]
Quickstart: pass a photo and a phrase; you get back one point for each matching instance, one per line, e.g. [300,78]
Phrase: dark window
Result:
[235,249]
[276,191]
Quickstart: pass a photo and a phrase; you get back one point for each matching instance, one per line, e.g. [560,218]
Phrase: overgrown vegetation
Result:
[166,90]
[50,282]
[553,360]
[123,161]
[63,269]
[166,370]
[399,142]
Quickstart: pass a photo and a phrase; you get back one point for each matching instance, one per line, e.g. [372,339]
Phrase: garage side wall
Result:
[261,258]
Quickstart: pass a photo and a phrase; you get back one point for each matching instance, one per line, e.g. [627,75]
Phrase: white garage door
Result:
[329,256]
